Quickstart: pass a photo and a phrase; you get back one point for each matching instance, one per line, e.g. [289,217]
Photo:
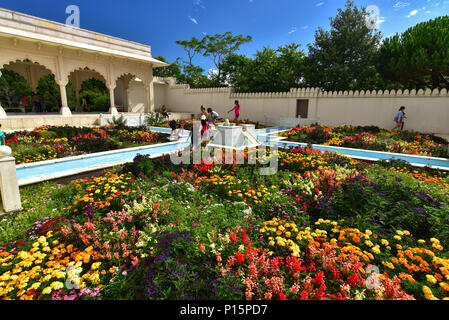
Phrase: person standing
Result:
[36,104]
[15,100]
[83,104]
[399,119]
[236,110]
[2,137]
[24,103]
[42,103]
[204,121]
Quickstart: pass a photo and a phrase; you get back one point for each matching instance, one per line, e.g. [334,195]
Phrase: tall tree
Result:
[192,47]
[419,57]
[220,46]
[344,57]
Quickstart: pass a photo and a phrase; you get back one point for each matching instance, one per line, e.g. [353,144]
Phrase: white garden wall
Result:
[427,111]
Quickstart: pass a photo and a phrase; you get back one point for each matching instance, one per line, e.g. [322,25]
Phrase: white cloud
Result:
[414,12]
[199,3]
[319,4]
[193,20]
[400,4]
[293,30]
[305,27]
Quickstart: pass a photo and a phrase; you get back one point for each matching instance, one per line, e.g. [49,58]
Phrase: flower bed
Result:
[325,227]
[370,138]
[47,143]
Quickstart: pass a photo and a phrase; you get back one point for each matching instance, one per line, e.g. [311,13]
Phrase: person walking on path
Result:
[236,110]
[399,119]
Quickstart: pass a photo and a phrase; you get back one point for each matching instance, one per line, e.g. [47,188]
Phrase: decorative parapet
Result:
[208,90]
[307,92]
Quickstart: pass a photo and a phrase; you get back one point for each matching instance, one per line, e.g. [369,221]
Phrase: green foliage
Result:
[154,119]
[10,83]
[118,122]
[419,57]
[173,70]
[218,48]
[271,70]
[97,92]
[343,57]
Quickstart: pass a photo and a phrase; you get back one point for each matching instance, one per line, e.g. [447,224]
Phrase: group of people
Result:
[38,103]
[208,118]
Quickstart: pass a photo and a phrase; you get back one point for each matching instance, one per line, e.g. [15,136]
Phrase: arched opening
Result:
[27,87]
[91,93]
[122,92]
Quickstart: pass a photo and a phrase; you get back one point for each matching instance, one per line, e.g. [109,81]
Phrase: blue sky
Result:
[270,22]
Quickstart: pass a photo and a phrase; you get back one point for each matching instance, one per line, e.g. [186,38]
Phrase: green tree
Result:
[270,70]
[220,46]
[344,57]
[98,94]
[419,57]
[173,70]
[12,83]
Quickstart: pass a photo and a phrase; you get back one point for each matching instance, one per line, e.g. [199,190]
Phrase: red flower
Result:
[353,280]
[282,296]
[240,258]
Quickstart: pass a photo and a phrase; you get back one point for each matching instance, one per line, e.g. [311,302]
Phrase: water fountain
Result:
[230,136]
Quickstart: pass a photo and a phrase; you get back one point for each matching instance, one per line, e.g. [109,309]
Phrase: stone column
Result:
[77,87]
[65,110]
[149,87]
[9,183]
[112,110]
[150,98]
[3,114]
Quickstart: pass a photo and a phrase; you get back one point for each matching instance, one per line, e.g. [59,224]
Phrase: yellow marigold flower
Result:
[368,232]
[384,242]
[368,243]
[46,290]
[428,293]
[397,237]
[421,241]
[57,285]
[444,286]
[376,249]
[431,279]
[96,265]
